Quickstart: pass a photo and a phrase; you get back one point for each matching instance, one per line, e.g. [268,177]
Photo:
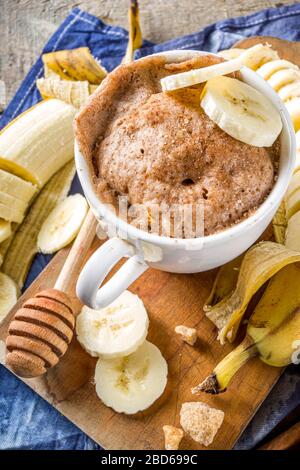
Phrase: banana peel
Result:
[279,223]
[272,332]
[259,264]
[75,93]
[224,283]
[74,64]
[135,39]
[23,246]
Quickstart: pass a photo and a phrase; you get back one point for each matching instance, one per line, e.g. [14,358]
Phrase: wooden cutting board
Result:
[170,299]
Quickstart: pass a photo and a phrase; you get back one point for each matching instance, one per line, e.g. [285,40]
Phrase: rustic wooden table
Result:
[26,25]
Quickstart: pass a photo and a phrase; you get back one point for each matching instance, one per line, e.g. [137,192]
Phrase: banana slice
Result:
[283,77]
[266,70]
[193,77]
[293,107]
[132,383]
[292,235]
[8,295]
[294,184]
[241,111]
[257,55]
[229,54]
[298,140]
[63,224]
[297,164]
[5,230]
[292,203]
[292,90]
[116,330]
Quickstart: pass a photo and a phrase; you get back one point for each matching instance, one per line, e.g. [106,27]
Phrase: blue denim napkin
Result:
[26,420]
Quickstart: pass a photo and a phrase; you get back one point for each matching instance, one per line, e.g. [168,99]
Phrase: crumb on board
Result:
[189,335]
[201,421]
[173,437]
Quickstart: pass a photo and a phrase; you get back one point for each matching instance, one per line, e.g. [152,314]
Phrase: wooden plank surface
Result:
[26,25]
[170,299]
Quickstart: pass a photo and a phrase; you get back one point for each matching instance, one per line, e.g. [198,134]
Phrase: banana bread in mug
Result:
[161,149]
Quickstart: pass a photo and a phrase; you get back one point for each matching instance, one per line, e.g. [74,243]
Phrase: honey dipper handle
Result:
[77,253]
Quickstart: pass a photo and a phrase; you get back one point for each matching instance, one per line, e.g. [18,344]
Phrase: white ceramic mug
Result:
[144,249]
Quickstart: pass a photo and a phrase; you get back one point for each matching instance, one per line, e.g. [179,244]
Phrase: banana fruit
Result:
[132,383]
[8,295]
[75,93]
[266,70]
[62,224]
[256,56]
[114,331]
[259,264]
[272,331]
[74,64]
[5,230]
[23,246]
[241,111]
[193,77]
[38,142]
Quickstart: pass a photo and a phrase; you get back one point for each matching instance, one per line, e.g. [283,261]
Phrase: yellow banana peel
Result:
[135,34]
[279,224]
[224,283]
[259,264]
[75,93]
[74,64]
[273,331]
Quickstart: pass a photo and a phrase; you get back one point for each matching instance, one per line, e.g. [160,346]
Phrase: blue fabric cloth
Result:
[26,420]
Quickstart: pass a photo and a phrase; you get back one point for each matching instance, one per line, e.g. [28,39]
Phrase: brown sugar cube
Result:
[189,335]
[173,437]
[201,421]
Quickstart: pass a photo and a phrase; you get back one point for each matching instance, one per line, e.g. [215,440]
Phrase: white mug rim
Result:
[236,230]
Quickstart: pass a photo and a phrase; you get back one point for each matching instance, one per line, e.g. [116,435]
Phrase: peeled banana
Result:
[132,383]
[116,330]
[241,111]
[62,224]
[23,246]
[38,142]
[8,295]
[272,331]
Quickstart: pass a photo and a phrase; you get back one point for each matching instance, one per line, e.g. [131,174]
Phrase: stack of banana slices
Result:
[284,77]
[37,168]
[131,372]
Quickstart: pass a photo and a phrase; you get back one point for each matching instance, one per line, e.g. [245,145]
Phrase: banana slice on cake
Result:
[5,230]
[283,77]
[193,77]
[116,330]
[241,111]
[133,383]
[63,224]
[8,295]
[258,55]
[269,68]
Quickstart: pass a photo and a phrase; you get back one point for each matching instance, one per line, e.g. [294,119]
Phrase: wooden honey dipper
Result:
[41,331]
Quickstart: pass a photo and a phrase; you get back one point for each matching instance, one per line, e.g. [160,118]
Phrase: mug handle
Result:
[97,268]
